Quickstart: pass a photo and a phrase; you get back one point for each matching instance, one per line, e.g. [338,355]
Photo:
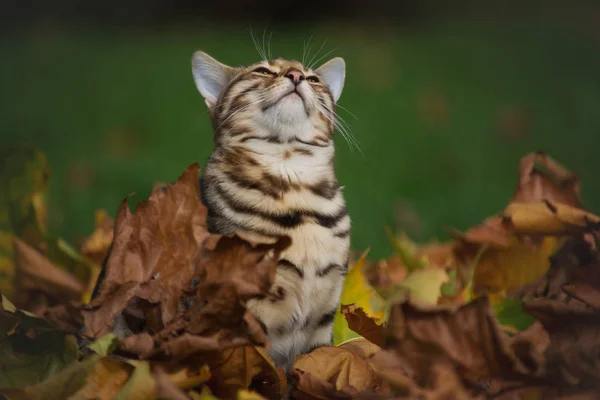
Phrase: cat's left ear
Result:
[333,73]
[211,77]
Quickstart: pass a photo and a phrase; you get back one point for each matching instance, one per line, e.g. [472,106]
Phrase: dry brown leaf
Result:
[66,317]
[384,274]
[548,393]
[337,372]
[363,324]
[522,238]
[572,353]
[542,178]
[154,255]
[360,346]
[467,338]
[246,367]
[584,285]
[249,267]
[440,382]
[36,273]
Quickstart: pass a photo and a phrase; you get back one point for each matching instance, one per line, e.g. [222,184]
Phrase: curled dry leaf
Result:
[543,178]
[359,292]
[153,256]
[363,324]
[337,372]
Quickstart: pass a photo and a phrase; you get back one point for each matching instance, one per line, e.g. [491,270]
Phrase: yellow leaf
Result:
[187,378]
[206,394]
[425,284]
[505,269]
[546,217]
[357,291]
[249,395]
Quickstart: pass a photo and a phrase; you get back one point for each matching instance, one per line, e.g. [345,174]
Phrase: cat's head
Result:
[276,99]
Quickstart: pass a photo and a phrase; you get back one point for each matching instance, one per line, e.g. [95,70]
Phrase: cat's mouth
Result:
[290,94]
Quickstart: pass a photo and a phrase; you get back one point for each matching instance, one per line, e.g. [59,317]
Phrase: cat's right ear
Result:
[210,76]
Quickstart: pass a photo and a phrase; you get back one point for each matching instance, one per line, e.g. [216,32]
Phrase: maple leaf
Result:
[153,256]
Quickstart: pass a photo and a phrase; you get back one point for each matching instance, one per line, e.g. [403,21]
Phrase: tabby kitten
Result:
[271,173]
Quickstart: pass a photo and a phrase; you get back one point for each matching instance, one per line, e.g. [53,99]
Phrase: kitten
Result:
[271,173]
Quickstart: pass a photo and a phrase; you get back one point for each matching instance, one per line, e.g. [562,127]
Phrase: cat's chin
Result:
[289,110]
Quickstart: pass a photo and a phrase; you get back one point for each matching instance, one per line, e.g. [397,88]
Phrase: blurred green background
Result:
[443,102]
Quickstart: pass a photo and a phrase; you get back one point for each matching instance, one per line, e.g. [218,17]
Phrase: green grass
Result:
[67,92]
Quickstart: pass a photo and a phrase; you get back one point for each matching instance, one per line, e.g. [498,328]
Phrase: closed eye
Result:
[263,71]
[313,79]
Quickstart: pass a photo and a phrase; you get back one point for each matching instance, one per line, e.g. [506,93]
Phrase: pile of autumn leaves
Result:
[507,310]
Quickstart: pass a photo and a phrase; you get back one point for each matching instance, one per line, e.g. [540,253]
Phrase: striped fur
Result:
[271,173]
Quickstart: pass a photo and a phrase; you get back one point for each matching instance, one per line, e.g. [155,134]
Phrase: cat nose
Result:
[295,75]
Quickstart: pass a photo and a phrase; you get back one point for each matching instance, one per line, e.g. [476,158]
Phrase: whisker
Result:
[341,125]
[269,46]
[307,48]
[348,111]
[322,57]
[317,53]
[256,46]
[263,43]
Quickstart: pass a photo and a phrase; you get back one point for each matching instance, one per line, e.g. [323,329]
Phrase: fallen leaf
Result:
[363,324]
[425,284]
[153,255]
[249,395]
[440,382]
[543,178]
[571,356]
[247,367]
[65,317]
[511,315]
[502,270]
[336,372]
[547,218]
[24,174]
[96,246]
[36,272]
[31,349]
[357,291]
[104,345]
[466,339]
